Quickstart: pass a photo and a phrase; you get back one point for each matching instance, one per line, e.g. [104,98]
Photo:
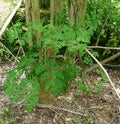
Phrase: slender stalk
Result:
[104,72]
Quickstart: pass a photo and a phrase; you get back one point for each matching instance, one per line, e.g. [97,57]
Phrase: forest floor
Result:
[73,107]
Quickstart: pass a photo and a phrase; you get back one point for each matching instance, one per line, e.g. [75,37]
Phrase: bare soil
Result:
[73,107]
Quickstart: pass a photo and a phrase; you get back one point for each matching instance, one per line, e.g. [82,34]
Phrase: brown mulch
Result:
[79,108]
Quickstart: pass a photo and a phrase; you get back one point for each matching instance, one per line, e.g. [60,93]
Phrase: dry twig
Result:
[104,62]
[102,47]
[104,72]
[63,109]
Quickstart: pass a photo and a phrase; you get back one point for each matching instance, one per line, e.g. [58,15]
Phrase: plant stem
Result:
[104,72]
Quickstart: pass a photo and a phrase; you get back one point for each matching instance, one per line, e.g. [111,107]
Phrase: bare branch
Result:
[104,61]
[101,47]
[63,109]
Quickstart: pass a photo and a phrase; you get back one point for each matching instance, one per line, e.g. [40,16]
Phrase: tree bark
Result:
[55,7]
[76,10]
[33,17]
[52,12]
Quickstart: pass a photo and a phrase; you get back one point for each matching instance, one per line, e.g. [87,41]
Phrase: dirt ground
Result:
[73,107]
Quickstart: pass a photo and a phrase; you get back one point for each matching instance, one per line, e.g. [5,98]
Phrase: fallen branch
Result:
[52,107]
[112,66]
[103,62]
[63,109]
[104,72]
[101,47]
[10,18]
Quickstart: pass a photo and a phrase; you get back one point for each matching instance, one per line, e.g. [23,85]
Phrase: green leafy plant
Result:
[12,41]
[27,88]
[103,80]
[86,88]
[88,60]
[59,69]
[56,70]
[23,82]
[14,32]
[104,18]
[88,120]
[74,119]
[3,54]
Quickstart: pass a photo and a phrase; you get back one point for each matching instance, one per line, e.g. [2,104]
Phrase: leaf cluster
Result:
[24,82]
[66,36]
[104,17]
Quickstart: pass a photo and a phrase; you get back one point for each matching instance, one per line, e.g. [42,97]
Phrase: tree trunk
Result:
[55,7]
[33,17]
[52,12]
[76,10]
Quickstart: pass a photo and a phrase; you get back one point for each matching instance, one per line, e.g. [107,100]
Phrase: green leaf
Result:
[82,48]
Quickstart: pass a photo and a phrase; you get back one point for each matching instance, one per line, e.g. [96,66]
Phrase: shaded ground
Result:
[94,109]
